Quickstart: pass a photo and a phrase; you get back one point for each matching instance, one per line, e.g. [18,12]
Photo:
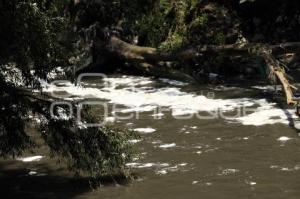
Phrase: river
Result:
[196,142]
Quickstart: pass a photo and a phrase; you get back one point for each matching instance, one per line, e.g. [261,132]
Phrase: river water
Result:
[196,141]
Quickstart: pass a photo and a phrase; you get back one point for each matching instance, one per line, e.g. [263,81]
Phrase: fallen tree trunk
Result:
[148,58]
[139,54]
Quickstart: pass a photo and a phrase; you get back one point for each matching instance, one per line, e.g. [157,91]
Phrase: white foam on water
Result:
[127,91]
[138,98]
[146,165]
[128,81]
[253,183]
[134,141]
[284,139]
[132,164]
[166,168]
[31,159]
[161,172]
[267,113]
[229,171]
[156,142]
[110,119]
[158,115]
[166,146]
[31,173]
[178,167]
[280,168]
[274,166]
[173,82]
[138,109]
[286,169]
[268,87]
[145,130]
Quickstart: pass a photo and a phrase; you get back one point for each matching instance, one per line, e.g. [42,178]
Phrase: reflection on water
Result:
[256,155]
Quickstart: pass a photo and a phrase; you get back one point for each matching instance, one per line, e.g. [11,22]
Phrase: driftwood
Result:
[279,73]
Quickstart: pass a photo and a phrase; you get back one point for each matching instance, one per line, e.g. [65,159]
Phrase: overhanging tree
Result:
[35,38]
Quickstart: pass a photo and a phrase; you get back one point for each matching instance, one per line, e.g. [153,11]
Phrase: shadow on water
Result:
[18,183]
[272,97]
[281,104]
[290,119]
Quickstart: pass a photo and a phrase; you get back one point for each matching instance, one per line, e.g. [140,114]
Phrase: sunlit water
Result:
[196,142]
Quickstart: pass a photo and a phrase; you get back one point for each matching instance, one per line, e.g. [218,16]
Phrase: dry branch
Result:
[279,73]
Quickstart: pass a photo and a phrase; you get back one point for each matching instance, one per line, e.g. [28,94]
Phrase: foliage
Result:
[212,25]
[30,47]
[180,23]
[96,151]
[158,32]
[31,31]
[173,42]
[36,37]
[13,138]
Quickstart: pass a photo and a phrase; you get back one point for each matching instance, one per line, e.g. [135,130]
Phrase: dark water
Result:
[182,159]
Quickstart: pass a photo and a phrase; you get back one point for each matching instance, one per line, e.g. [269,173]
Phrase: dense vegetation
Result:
[34,42]
[36,36]
[174,25]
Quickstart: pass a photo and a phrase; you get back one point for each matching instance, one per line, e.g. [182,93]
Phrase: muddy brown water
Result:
[182,159]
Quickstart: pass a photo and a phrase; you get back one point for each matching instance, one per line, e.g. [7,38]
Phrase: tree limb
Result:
[139,54]
[148,57]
